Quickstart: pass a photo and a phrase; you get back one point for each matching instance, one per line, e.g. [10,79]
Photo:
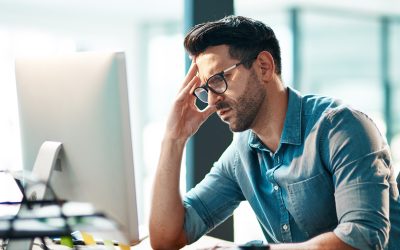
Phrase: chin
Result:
[234,128]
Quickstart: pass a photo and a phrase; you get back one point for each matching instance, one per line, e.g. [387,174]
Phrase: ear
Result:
[266,66]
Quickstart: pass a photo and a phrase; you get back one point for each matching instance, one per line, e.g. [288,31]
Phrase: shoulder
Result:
[318,104]
[352,135]
[350,121]
[314,110]
[334,110]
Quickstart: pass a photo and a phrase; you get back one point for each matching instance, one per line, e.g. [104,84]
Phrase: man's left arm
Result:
[324,241]
[359,160]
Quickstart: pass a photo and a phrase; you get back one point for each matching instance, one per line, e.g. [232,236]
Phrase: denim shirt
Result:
[332,172]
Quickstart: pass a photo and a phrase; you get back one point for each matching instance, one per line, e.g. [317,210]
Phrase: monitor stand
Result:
[44,164]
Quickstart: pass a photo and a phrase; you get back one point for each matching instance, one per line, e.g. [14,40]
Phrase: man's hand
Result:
[167,211]
[185,118]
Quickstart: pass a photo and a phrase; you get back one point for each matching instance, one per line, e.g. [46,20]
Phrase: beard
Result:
[247,106]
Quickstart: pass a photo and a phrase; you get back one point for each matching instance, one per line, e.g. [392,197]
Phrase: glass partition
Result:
[341,58]
[394,54]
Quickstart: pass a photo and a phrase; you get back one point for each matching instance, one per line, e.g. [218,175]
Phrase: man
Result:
[317,173]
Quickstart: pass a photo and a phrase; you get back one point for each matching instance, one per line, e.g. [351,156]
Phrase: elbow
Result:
[160,239]
[362,236]
[158,245]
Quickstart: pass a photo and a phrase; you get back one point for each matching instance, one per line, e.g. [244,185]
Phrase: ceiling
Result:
[124,9]
[159,10]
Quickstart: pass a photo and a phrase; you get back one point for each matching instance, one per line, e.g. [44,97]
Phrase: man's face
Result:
[240,103]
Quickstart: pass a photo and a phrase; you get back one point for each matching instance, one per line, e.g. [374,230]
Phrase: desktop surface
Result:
[205,242]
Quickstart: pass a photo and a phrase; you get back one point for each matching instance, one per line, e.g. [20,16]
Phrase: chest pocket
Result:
[312,205]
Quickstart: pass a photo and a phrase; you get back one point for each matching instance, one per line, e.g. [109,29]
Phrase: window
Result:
[164,74]
[394,75]
[340,58]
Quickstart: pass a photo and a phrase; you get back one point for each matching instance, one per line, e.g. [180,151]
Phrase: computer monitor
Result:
[81,101]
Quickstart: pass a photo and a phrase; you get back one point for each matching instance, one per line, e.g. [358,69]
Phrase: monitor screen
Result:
[81,101]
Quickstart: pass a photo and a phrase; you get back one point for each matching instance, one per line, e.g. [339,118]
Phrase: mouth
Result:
[223,113]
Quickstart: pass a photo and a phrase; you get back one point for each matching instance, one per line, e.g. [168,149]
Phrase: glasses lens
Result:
[217,84]
[201,94]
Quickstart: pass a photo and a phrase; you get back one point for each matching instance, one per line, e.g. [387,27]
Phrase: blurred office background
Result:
[346,49]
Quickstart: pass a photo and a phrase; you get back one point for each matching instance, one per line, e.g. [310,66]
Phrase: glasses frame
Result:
[207,87]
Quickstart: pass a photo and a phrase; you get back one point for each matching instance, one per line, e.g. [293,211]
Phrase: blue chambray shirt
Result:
[331,172]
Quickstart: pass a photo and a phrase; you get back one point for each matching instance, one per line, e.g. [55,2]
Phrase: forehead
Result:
[213,60]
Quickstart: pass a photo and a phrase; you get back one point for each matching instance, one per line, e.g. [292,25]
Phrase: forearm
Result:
[323,241]
[167,211]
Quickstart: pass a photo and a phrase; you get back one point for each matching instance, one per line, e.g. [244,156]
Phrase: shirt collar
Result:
[291,133]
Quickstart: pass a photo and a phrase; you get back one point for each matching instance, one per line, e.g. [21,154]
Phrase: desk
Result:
[204,242]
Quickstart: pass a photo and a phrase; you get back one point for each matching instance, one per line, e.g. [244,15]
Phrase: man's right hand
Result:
[167,210]
[185,117]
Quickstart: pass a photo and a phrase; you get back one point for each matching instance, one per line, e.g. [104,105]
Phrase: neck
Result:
[269,123]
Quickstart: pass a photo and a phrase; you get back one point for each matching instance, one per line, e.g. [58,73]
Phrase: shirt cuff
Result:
[359,236]
[194,225]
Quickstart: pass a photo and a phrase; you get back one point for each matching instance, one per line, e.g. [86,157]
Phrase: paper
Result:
[88,239]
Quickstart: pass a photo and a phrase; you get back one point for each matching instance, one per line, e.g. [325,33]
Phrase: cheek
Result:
[236,87]
[231,98]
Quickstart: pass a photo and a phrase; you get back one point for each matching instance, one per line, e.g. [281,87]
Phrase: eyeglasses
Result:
[216,83]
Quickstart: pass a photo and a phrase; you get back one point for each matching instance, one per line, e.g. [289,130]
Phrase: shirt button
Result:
[276,187]
[285,227]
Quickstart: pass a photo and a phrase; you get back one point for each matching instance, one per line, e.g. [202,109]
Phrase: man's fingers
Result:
[185,94]
[189,76]
[195,85]
[189,88]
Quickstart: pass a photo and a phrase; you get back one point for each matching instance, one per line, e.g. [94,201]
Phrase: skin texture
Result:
[256,99]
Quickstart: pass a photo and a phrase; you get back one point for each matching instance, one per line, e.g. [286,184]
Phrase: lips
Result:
[223,113]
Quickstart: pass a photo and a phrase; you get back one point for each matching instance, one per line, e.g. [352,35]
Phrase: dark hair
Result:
[244,36]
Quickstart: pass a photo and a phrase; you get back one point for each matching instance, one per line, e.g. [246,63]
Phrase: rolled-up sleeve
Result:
[194,225]
[359,160]
[359,236]
[213,200]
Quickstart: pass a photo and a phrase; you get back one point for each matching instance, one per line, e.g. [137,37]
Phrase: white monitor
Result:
[81,101]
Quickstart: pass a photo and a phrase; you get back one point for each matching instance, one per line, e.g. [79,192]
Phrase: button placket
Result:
[284,220]
[286,234]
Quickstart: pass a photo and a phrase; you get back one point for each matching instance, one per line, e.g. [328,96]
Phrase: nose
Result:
[213,98]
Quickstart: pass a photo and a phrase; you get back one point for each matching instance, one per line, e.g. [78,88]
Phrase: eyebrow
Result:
[218,72]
